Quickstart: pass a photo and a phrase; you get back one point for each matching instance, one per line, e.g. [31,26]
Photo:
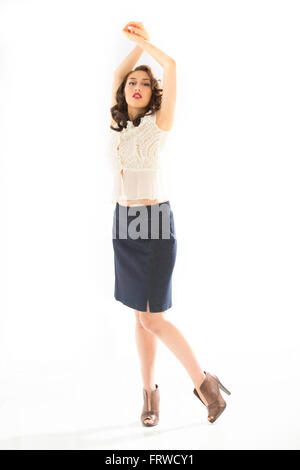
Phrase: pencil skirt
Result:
[145,246]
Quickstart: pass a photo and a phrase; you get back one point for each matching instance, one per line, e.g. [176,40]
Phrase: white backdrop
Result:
[69,370]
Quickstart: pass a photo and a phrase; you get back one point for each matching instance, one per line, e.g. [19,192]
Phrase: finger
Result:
[138,26]
[140,32]
[133,35]
[143,30]
[137,34]
[130,30]
[133,30]
[132,23]
[137,31]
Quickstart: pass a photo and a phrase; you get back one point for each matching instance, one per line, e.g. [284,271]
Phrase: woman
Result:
[141,118]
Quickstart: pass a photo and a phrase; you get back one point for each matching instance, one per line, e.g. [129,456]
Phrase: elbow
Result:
[171,62]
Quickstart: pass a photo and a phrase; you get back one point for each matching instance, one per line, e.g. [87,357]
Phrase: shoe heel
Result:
[224,389]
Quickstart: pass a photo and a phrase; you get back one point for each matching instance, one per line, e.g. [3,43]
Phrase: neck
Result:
[133,112]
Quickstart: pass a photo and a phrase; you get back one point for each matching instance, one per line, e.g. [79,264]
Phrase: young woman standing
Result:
[141,117]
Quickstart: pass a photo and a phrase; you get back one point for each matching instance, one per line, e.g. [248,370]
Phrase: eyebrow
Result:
[133,78]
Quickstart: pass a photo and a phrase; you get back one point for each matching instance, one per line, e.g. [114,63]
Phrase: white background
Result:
[69,369]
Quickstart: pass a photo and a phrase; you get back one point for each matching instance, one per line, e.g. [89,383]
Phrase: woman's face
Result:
[138,82]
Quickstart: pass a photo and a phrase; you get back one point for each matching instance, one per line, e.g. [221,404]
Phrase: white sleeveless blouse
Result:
[135,154]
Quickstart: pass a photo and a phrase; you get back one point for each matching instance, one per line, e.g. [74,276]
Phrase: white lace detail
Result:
[135,156]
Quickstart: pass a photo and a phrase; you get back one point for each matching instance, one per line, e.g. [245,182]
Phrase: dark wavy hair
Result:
[119,111]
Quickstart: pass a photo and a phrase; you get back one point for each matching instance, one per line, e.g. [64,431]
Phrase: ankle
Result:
[199,381]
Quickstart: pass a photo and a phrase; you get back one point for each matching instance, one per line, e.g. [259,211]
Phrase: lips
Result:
[137,95]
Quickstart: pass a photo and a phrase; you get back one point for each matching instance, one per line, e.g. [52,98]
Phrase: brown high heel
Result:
[210,388]
[153,412]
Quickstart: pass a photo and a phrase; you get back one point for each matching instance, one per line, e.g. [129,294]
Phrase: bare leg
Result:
[147,346]
[157,324]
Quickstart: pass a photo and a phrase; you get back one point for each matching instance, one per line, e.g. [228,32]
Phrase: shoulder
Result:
[155,122]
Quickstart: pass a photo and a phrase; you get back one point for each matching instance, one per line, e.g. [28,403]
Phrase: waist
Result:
[140,202]
[167,202]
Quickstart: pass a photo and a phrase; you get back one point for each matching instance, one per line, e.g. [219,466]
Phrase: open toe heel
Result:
[152,412]
[210,388]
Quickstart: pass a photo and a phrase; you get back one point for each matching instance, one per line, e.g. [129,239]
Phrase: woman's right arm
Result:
[126,65]
[129,62]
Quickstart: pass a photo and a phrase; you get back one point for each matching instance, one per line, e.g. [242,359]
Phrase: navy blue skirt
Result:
[145,246]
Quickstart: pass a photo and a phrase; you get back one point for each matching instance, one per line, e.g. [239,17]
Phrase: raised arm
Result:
[119,73]
[129,62]
[166,113]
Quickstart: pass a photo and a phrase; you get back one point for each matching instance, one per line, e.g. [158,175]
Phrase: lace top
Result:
[135,155]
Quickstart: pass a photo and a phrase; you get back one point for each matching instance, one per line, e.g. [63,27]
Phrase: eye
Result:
[147,84]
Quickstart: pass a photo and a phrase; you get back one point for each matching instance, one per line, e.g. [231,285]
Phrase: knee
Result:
[138,319]
[151,321]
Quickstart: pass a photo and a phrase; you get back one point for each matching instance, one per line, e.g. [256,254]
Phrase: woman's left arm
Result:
[166,113]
